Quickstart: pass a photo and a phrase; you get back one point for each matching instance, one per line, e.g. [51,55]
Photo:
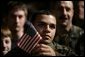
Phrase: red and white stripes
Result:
[27,43]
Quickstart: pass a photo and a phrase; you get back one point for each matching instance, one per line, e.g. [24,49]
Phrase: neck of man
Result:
[64,29]
[18,34]
[68,28]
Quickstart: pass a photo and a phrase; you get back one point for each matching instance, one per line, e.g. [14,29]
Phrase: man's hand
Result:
[43,50]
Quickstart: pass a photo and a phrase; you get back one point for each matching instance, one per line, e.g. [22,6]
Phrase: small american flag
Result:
[30,39]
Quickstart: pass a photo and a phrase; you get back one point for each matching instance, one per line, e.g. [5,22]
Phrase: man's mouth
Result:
[63,18]
[46,37]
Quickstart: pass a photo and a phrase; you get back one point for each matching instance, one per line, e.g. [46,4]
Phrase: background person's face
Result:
[17,19]
[65,12]
[46,26]
[5,45]
[81,9]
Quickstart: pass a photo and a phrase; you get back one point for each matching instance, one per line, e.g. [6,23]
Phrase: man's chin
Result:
[5,52]
[64,24]
[17,29]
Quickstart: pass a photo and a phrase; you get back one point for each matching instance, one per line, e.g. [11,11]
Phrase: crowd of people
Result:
[59,26]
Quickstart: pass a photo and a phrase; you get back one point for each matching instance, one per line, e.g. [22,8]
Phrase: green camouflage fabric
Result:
[64,50]
[70,39]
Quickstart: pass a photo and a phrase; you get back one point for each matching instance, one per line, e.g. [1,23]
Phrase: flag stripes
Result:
[27,43]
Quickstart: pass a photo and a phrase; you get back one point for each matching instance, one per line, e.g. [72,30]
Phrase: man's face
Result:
[65,12]
[17,19]
[5,45]
[46,26]
[81,9]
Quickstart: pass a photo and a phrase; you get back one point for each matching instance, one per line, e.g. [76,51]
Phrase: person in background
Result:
[79,14]
[17,13]
[68,34]
[16,19]
[6,40]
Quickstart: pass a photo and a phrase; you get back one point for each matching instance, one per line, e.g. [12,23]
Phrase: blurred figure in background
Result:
[68,34]
[79,14]
[16,18]
[6,40]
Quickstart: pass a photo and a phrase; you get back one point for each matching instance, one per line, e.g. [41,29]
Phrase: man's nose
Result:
[47,29]
[17,19]
[4,44]
[64,12]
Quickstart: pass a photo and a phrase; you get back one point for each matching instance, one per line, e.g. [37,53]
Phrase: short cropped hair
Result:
[46,12]
[34,15]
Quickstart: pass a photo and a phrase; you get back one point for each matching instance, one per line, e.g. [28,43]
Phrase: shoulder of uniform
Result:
[61,48]
[77,30]
[64,50]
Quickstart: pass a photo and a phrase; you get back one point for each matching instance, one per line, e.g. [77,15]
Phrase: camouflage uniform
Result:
[71,38]
[64,50]
[60,50]
[54,48]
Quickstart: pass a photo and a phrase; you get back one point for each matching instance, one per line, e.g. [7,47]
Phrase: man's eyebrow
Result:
[41,22]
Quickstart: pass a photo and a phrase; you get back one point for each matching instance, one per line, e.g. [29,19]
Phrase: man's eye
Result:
[20,16]
[52,26]
[40,25]
[68,9]
[6,41]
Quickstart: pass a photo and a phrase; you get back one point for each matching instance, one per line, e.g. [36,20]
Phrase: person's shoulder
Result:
[64,50]
[60,48]
[77,30]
